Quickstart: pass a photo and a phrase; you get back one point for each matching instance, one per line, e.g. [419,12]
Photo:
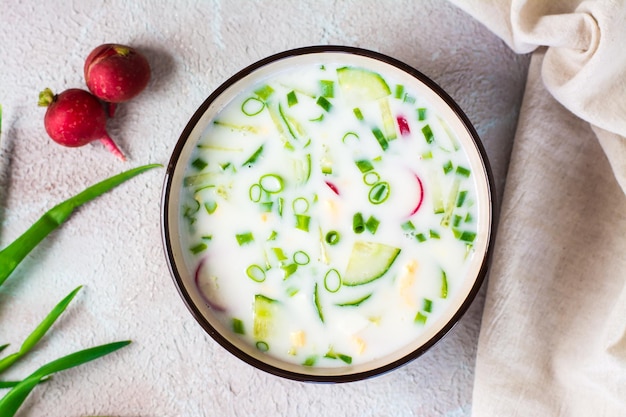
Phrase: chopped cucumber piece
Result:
[359,84]
[265,309]
[368,261]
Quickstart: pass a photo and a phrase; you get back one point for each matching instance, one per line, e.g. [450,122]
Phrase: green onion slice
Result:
[252,106]
[255,273]
[332,280]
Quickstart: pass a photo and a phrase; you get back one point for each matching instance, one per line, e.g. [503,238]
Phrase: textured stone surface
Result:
[113,245]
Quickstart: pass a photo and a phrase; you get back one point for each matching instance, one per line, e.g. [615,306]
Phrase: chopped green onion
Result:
[286,121]
[358,225]
[280,202]
[379,192]
[210,207]
[300,205]
[408,226]
[272,236]
[262,346]
[371,178]
[328,88]
[292,99]
[348,135]
[463,171]
[427,305]
[255,273]
[466,236]
[199,164]
[428,134]
[272,183]
[302,222]
[310,361]
[448,167]
[252,106]
[323,103]
[444,284]
[291,291]
[318,302]
[332,280]
[380,137]
[301,258]
[253,158]
[399,92]
[357,113]
[364,165]
[264,92]
[420,318]
[409,99]
[255,192]
[289,270]
[456,222]
[434,234]
[451,203]
[347,359]
[200,247]
[237,326]
[332,237]
[266,206]
[427,155]
[280,255]
[420,237]
[421,114]
[461,199]
[372,224]
[468,218]
[244,238]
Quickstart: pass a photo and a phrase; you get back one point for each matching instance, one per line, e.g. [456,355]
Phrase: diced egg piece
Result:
[298,339]
[407,280]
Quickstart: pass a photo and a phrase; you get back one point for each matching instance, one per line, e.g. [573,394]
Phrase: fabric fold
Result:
[553,334]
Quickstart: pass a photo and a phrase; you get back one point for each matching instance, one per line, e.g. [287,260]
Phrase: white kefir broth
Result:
[407,298]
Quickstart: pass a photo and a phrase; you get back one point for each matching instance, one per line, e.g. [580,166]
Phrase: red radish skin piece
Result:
[75,118]
[208,290]
[116,73]
[333,187]
[421,195]
[403,125]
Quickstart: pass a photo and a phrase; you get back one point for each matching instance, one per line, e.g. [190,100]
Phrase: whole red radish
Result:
[116,73]
[75,118]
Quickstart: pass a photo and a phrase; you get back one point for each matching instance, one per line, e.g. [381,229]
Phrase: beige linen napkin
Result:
[553,336]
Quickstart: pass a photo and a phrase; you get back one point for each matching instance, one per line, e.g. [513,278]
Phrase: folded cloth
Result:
[553,335]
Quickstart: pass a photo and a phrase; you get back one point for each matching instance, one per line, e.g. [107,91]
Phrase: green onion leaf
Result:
[12,255]
[399,92]
[462,171]
[11,402]
[318,302]
[421,114]
[427,305]
[39,331]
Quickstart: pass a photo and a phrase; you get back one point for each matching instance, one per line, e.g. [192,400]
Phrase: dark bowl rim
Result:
[166,237]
